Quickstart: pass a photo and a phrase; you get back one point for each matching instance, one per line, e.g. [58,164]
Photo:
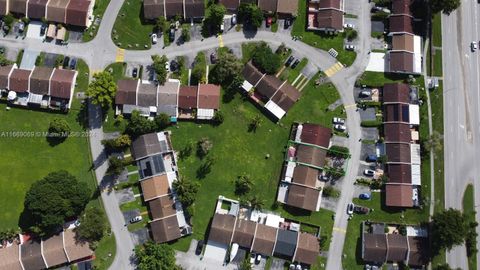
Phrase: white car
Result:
[154,39]
[369,172]
[167,66]
[350,207]
[341,128]
[348,25]
[473,45]
[338,120]
[222,27]
[350,47]
[136,219]
[258,259]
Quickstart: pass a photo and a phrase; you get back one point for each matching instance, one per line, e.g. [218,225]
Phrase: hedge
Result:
[371,123]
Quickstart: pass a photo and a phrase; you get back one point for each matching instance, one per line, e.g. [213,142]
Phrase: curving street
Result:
[101,51]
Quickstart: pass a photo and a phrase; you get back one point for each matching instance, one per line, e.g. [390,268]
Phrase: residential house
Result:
[167,98]
[187,101]
[153,9]
[79,13]
[31,255]
[53,252]
[244,232]
[5,73]
[10,257]
[194,9]
[20,80]
[308,247]
[174,8]
[374,248]
[264,239]
[300,185]
[37,9]
[325,15]
[268,6]
[400,24]
[57,10]
[18,6]
[62,87]
[221,230]
[401,7]
[40,86]
[4,7]
[126,95]
[286,243]
[287,8]
[158,171]
[208,101]
[75,250]
[230,5]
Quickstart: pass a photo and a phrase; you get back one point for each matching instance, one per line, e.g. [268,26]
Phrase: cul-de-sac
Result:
[239,134]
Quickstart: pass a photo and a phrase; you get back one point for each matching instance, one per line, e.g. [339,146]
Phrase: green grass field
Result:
[130,29]
[469,211]
[437,30]
[237,151]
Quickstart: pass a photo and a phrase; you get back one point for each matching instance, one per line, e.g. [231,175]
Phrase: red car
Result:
[269,21]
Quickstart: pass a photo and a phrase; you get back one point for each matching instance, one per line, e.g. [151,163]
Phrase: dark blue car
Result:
[364,196]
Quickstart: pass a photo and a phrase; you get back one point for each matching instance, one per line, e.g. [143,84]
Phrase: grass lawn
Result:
[105,252]
[378,79]
[109,125]
[130,29]
[437,30]
[437,63]
[237,151]
[469,211]
[98,10]
[291,74]
[436,100]
[319,40]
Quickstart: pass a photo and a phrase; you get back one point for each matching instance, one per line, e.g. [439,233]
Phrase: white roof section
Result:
[289,172]
[416,175]
[246,86]
[215,251]
[414,112]
[417,49]
[376,62]
[415,154]
[273,220]
[275,109]
[205,114]
[282,193]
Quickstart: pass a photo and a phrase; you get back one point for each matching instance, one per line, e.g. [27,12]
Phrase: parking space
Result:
[128,215]
[28,59]
[364,166]
[277,264]
[352,6]
[363,94]
[339,140]
[125,195]
[50,59]
[370,133]
[34,31]
[75,36]
[140,236]
[367,114]
[261,264]
[129,70]
[309,70]
[367,150]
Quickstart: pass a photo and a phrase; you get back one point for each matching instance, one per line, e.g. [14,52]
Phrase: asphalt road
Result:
[462,112]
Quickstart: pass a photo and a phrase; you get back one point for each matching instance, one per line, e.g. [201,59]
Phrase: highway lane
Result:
[461,111]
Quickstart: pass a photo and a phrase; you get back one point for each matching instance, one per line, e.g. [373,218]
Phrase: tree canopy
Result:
[59,128]
[228,67]
[265,59]
[448,229]
[243,185]
[93,225]
[153,256]
[250,14]
[102,89]
[4,61]
[158,65]
[186,190]
[213,18]
[446,6]
[53,199]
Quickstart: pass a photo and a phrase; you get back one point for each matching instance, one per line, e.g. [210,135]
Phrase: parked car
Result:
[21,27]
[233,20]
[258,259]
[365,93]
[174,65]
[369,172]
[154,38]
[364,196]
[199,248]
[66,61]
[338,120]
[171,35]
[350,207]
[371,158]
[268,21]
[350,47]
[134,72]
[289,60]
[73,63]
[473,46]
[361,210]
[252,258]
[43,29]
[295,64]
[167,66]
[287,23]
[136,219]
[213,58]
[341,128]
[348,25]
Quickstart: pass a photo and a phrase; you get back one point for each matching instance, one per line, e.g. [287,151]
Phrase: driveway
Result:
[189,261]
[28,59]
[33,31]
[277,264]
[125,195]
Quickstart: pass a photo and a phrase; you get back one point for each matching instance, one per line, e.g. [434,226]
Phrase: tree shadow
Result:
[82,115]
[203,170]
[25,220]
[55,140]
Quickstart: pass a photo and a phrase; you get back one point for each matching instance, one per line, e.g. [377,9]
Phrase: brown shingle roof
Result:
[397,248]
[19,80]
[303,197]
[251,73]
[400,173]
[76,250]
[268,5]
[146,145]
[418,254]
[396,113]
[305,175]
[9,258]
[268,86]
[311,155]
[244,232]
[222,228]
[403,42]
[126,92]
[56,10]
[401,23]
[53,251]
[147,95]
[37,8]
[77,12]
[4,76]
[308,248]
[187,97]
[18,6]
[208,96]
[264,239]
[173,8]
[40,80]
[329,4]
[397,132]
[62,83]
[31,252]
[316,134]
[401,7]
[3,7]
[230,4]
[396,92]
[155,187]
[287,7]
[374,247]
[194,9]
[398,195]
[401,62]
[165,230]
[152,9]
[330,19]
[398,152]
[162,207]
[286,96]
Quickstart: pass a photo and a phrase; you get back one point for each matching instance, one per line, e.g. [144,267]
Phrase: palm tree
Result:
[434,142]
[255,123]
[256,203]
